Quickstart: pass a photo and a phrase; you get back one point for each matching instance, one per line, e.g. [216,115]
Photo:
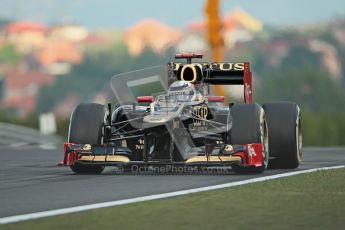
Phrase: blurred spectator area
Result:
[21,87]
[32,55]
[55,48]
[55,59]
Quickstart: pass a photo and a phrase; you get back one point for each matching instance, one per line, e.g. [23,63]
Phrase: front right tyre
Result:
[249,126]
[86,127]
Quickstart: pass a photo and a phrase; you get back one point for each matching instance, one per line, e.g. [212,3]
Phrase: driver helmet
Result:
[182,91]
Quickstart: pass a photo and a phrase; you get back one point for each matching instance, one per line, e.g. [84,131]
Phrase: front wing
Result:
[248,155]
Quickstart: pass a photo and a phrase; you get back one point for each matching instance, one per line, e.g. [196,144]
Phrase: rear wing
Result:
[219,73]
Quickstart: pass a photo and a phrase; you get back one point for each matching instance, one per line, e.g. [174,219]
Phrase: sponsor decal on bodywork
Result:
[223,66]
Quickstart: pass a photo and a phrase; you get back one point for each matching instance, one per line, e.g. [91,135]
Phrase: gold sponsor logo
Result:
[200,112]
[239,66]
[87,147]
[214,159]
[252,151]
[229,148]
[224,66]
[176,124]
[192,67]
[140,144]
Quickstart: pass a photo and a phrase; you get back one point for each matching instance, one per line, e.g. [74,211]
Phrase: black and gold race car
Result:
[166,117]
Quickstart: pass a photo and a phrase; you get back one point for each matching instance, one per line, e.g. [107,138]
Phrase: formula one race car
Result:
[184,126]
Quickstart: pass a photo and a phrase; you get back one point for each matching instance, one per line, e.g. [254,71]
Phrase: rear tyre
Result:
[86,127]
[249,126]
[284,123]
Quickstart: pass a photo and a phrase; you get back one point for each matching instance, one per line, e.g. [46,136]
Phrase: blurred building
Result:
[64,107]
[150,33]
[58,56]
[45,53]
[73,33]
[237,26]
[26,35]
[21,88]
[192,42]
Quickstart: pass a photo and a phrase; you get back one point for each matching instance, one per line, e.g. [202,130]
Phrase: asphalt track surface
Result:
[31,182]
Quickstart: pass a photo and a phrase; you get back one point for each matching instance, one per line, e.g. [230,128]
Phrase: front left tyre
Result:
[284,124]
[249,126]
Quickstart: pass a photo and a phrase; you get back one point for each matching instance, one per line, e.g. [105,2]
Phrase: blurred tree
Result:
[340,49]
[9,116]
[4,22]
[312,89]
[94,74]
[300,57]
[9,55]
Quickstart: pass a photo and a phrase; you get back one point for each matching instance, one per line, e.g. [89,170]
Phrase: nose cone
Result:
[156,119]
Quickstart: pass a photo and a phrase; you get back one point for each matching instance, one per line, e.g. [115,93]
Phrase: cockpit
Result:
[182,91]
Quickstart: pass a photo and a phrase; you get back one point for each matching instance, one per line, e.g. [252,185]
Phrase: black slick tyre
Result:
[249,126]
[86,127]
[285,134]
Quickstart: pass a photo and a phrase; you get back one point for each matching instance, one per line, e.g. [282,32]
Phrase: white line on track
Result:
[36,215]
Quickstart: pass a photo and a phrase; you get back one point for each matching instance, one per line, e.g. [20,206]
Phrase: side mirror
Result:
[142,99]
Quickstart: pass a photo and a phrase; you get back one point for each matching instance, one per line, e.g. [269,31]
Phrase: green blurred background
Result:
[50,67]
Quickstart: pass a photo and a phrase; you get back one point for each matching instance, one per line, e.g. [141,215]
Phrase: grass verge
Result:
[308,201]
